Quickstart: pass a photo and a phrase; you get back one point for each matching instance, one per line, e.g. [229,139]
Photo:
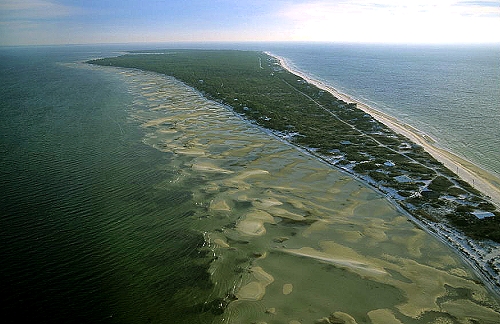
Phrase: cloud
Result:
[356,8]
[494,4]
[487,9]
[419,21]
[35,21]
[34,9]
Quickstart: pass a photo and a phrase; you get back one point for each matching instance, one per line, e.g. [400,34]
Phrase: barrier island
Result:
[256,86]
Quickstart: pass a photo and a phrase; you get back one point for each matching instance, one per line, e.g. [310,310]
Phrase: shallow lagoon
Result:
[290,239]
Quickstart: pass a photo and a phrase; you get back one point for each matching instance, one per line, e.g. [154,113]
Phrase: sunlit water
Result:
[129,198]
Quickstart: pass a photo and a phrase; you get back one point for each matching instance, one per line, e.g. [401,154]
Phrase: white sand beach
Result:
[480,179]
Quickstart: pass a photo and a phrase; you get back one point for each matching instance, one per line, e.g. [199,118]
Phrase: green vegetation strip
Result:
[257,87]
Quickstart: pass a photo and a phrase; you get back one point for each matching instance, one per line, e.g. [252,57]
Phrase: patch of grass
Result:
[440,184]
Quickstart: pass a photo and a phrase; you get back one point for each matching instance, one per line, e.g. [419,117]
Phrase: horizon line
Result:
[258,42]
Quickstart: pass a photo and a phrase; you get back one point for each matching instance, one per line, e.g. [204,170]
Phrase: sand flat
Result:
[251,182]
[287,289]
[255,290]
[350,264]
[251,227]
[383,316]
[209,167]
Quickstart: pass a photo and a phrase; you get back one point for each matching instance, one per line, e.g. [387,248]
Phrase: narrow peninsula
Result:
[257,86]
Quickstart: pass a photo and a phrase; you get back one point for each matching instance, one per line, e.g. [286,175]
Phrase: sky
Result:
[47,22]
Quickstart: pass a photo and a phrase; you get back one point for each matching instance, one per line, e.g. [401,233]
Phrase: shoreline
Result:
[482,180]
[484,259]
[477,177]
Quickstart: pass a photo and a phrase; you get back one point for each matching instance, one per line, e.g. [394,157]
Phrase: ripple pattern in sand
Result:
[293,240]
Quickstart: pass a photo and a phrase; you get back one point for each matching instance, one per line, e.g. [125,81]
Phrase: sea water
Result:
[129,198]
[449,92]
[84,238]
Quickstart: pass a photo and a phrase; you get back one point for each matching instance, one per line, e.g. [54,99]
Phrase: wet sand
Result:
[482,180]
[294,240]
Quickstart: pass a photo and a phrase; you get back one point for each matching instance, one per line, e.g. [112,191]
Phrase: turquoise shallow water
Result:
[128,198]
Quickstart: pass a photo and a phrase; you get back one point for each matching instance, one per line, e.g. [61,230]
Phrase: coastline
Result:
[483,256]
[467,171]
[480,179]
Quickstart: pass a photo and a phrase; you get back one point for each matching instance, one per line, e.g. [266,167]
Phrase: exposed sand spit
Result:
[256,289]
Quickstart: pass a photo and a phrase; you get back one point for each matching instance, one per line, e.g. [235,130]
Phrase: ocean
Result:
[127,197]
[451,92]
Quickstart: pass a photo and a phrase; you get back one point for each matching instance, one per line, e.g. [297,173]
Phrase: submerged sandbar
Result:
[288,208]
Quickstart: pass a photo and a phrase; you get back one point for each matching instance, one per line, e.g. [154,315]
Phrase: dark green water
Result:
[83,233]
